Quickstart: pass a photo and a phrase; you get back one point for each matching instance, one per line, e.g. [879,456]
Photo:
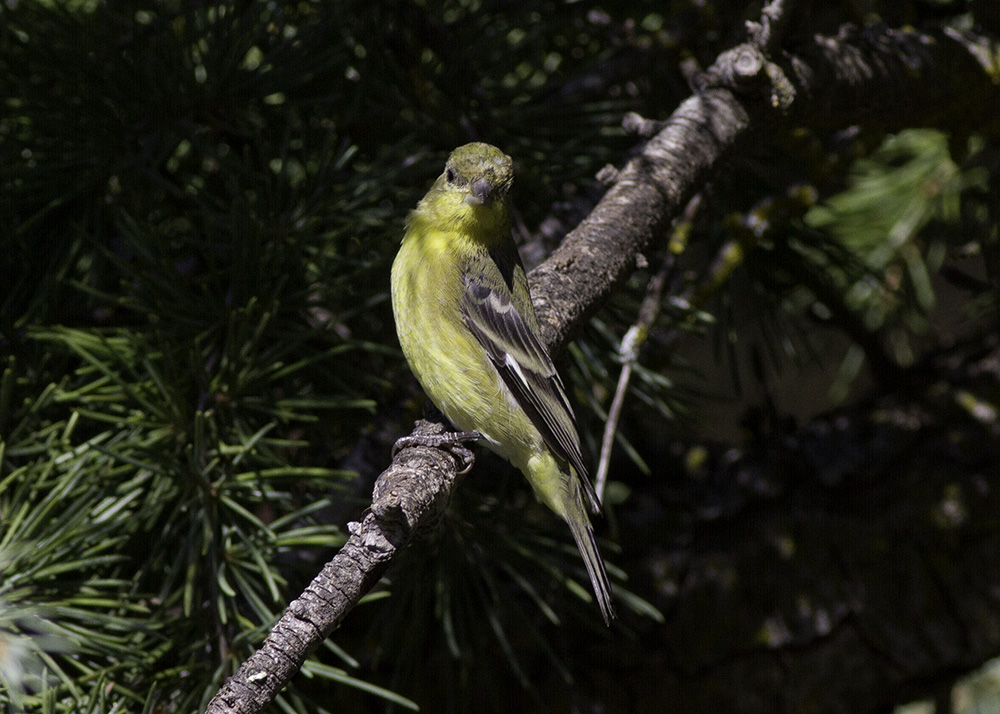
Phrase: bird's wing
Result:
[513,346]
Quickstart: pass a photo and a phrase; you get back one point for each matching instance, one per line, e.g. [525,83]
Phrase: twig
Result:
[628,351]
[768,33]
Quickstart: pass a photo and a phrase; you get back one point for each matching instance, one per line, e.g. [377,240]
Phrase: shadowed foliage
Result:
[200,377]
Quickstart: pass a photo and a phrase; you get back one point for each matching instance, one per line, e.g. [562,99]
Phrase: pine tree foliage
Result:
[200,378]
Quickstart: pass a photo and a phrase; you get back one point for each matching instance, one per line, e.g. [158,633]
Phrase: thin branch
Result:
[769,32]
[408,501]
[628,351]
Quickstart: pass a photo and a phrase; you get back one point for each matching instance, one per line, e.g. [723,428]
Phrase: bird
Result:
[468,330]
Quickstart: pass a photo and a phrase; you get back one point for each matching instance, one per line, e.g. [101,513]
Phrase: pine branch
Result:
[409,499]
[890,77]
[879,74]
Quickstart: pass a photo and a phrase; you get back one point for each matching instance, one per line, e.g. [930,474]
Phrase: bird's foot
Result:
[446,440]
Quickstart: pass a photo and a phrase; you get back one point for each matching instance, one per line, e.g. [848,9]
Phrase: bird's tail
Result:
[560,490]
[583,534]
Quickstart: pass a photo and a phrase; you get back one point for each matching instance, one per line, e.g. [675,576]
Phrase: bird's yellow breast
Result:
[448,361]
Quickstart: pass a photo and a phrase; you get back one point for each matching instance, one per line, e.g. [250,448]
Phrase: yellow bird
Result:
[468,330]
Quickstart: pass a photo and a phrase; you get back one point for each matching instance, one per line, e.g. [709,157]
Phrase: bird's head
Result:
[481,172]
[472,190]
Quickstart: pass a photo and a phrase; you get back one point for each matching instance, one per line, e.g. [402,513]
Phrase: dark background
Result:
[201,378]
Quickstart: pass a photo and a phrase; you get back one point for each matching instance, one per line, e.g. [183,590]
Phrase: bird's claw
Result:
[439,441]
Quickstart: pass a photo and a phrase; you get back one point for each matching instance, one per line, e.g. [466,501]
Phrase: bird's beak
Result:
[480,192]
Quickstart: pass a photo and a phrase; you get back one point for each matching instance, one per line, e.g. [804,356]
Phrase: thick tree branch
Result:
[883,76]
[891,76]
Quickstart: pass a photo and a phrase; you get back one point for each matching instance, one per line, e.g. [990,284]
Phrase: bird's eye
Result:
[449,175]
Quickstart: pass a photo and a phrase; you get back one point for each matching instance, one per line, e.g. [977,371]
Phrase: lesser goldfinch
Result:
[468,330]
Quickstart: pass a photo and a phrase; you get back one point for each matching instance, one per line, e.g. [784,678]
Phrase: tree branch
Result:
[409,499]
[893,78]
[879,74]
